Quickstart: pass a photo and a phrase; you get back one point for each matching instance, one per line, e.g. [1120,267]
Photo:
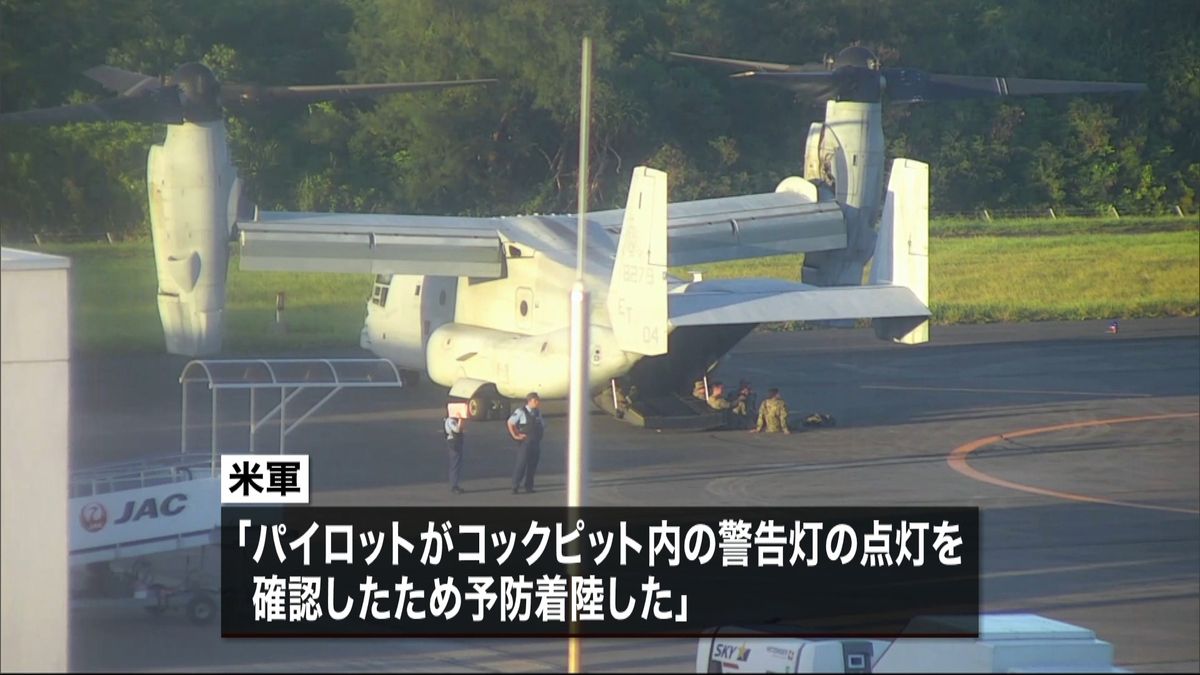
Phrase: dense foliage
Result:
[511,147]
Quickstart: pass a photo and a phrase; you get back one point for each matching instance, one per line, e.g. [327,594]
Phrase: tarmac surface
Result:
[1094,521]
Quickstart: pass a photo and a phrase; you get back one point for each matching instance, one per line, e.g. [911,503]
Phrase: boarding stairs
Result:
[172,503]
[145,507]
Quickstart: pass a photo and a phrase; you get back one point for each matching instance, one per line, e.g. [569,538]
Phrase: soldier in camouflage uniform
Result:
[748,399]
[735,412]
[772,414]
[716,397]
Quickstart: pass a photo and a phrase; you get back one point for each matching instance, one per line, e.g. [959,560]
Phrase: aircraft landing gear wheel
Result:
[478,407]
[201,609]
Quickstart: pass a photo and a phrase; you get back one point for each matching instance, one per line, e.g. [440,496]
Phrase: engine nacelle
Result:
[846,151]
[518,364]
[193,190]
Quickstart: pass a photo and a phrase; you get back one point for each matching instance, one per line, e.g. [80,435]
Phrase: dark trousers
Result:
[454,452]
[528,454]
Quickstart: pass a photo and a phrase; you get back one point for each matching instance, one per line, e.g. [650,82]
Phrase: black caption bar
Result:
[599,571]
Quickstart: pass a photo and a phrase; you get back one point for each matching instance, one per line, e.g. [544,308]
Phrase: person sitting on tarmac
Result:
[740,407]
[772,414]
[624,400]
[620,399]
[716,397]
[746,397]
[735,411]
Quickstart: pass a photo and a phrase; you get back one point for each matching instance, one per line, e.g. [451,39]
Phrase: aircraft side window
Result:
[524,308]
[418,291]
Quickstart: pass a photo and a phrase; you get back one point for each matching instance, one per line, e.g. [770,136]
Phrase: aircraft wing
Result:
[790,220]
[744,301]
[368,243]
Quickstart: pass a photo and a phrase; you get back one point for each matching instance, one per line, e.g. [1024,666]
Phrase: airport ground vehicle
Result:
[1006,643]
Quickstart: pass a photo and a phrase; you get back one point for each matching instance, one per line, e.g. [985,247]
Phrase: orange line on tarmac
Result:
[957,460]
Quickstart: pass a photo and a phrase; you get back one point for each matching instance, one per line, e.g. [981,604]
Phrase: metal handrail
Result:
[288,389]
[135,475]
[331,364]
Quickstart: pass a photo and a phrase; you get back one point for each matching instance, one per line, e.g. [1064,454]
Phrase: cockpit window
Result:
[380,292]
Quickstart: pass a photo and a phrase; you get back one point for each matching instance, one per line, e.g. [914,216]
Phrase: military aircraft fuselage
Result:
[511,332]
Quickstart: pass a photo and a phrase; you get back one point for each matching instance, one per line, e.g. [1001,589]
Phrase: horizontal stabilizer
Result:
[752,301]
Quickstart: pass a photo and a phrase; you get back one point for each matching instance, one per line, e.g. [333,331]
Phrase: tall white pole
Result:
[577,435]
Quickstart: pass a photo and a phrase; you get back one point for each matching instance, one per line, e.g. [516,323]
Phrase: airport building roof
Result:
[17,259]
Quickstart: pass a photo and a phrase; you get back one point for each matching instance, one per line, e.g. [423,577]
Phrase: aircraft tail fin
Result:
[637,293]
[902,247]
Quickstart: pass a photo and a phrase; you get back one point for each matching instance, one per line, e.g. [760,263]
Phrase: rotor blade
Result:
[814,85]
[910,84]
[1020,86]
[120,109]
[254,94]
[740,64]
[87,112]
[123,82]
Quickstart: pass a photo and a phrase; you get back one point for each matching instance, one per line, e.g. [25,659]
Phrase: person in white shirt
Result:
[455,435]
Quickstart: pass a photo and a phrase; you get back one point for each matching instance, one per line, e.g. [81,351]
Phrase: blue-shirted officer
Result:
[526,427]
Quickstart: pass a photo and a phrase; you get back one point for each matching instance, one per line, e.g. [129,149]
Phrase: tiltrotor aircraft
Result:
[481,304]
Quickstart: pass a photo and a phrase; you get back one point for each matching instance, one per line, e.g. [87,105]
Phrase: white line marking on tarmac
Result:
[1080,568]
[1006,391]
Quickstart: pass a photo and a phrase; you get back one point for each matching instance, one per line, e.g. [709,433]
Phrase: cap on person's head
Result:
[773,392]
[532,396]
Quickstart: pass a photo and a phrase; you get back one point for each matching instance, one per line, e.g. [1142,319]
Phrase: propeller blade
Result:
[741,64]
[820,85]
[123,82]
[910,84]
[233,94]
[87,112]
[120,109]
